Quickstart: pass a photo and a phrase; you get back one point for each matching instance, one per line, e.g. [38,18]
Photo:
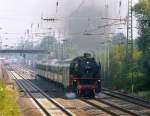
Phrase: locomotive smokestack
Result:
[87,55]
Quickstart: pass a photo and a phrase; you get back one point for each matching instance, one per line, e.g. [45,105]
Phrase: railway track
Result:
[109,108]
[129,98]
[116,107]
[87,108]
[47,104]
[134,105]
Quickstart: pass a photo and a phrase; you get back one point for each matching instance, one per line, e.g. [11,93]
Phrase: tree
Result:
[117,66]
[119,38]
[48,43]
[120,75]
[142,12]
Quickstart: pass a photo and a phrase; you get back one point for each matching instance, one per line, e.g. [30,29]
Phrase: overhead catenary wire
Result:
[72,16]
[80,5]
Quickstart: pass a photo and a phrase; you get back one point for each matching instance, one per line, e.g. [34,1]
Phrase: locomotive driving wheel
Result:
[78,93]
[91,94]
[98,87]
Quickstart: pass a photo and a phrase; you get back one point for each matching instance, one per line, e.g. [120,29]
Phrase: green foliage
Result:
[119,38]
[58,49]
[48,43]
[117,63]
[142,12]
[8,102]
[122,77]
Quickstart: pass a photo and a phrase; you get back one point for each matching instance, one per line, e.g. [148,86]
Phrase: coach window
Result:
[49,68]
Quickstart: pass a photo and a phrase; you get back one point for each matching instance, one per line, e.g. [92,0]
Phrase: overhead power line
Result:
[80,5]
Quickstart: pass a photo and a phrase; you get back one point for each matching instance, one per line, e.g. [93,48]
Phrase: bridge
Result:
[24,51]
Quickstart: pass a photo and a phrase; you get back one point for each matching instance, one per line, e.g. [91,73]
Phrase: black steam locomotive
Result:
[80,75]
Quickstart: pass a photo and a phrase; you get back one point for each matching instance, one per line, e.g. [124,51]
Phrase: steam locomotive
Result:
[80,75]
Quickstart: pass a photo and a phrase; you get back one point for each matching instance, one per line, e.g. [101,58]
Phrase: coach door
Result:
[67,76]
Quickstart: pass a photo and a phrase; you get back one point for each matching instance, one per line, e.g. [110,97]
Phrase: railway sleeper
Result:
[29,91]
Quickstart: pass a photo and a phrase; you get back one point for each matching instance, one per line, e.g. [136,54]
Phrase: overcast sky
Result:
[16,16]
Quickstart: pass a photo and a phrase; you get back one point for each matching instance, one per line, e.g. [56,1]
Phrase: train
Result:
[80,75]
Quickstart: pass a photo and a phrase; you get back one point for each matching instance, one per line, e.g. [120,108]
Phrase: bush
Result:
[8,101]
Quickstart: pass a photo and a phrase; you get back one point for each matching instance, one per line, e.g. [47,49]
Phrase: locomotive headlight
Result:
[99,80]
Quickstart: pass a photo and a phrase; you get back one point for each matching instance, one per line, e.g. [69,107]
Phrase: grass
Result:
[8,101]
[144,94]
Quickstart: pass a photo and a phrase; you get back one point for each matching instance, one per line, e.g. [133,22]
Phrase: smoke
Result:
[84,22]
[71,95]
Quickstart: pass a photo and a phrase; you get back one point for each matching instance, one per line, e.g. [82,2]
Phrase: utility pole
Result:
[129,49]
